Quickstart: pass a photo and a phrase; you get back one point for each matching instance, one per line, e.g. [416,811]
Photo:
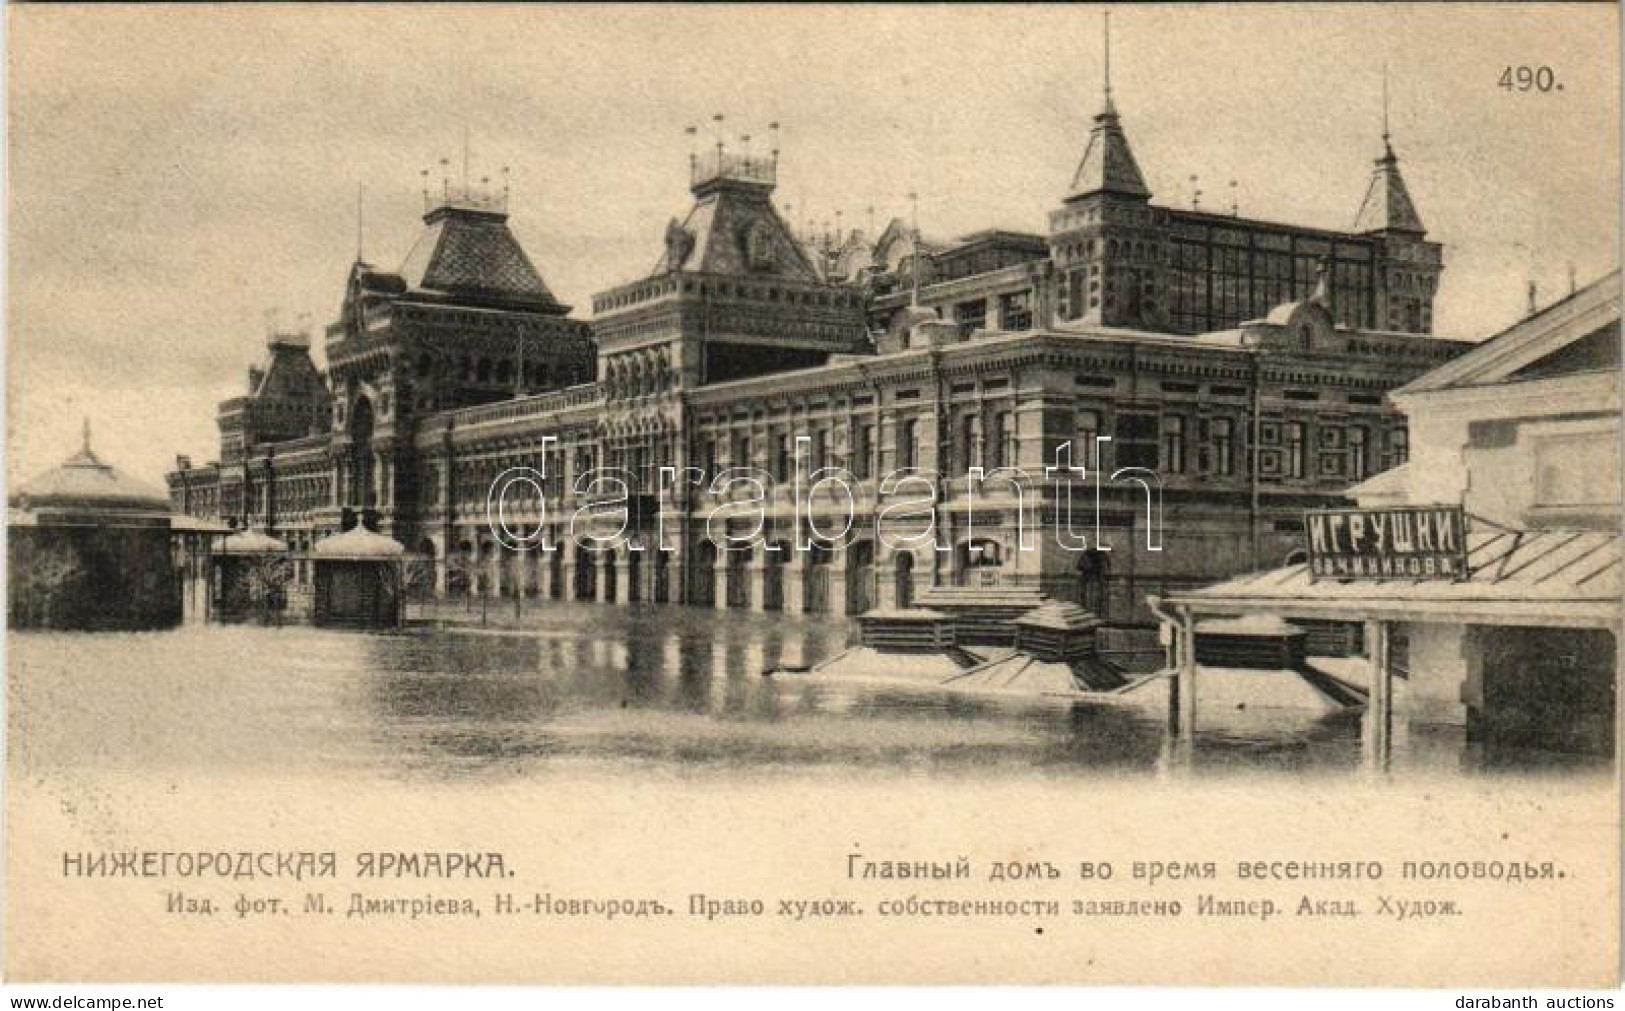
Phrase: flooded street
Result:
[620,689]
[614,752]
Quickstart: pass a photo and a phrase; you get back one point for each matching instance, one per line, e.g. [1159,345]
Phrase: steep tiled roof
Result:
[469,252]
[1108,165]
[720,229]
[1387,205]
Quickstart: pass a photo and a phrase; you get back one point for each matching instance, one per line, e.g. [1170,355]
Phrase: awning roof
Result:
[1516,577]
[185,524]
[252,542]
[358,544]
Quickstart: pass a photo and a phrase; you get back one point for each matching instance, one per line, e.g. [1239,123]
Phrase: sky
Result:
[178,175]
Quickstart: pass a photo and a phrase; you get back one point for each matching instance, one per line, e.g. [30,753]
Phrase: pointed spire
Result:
[1106,106]
[1108,164]
[1387,146]
[85,457]
[1387,206]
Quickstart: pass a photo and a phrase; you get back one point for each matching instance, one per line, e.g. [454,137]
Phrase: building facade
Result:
[1211,377]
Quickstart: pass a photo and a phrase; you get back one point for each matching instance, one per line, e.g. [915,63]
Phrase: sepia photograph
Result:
[1117,494]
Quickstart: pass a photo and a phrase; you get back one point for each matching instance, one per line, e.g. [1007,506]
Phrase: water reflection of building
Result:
[89,547]
[1523,432]
[1244,362]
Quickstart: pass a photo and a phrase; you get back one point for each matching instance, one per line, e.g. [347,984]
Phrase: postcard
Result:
[828,494]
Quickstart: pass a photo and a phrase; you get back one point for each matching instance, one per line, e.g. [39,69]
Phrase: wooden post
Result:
[1176,665]
[1379,713]
[1187,674]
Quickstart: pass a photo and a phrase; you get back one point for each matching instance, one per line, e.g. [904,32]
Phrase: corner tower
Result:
[1407,265]
[1103,237]
[465,320]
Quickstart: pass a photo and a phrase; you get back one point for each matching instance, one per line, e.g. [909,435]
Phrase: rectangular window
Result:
[1001,442]
[863,441]
[1218,446]
[1084,445]
[1357,453]
[783,461]
[969,429]
[1173,444]
[908,444]
[1293,432]
[820,450]
[740,456]
[971,315]
[1016,309]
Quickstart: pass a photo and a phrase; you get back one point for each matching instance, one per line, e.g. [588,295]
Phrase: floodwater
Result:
[620,689]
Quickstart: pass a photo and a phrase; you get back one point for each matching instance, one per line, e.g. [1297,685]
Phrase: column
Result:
[795,581]
[623,575]
[719,581]
[604,578]
[567,574]
[1182,698]
[676,591]
[756,579]
[544,571]
[837,584]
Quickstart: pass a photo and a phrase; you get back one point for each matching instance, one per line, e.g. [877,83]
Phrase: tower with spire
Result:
[465,320]
[1408,266]
[1102,238]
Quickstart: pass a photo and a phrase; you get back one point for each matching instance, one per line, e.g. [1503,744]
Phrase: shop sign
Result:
[1403,542]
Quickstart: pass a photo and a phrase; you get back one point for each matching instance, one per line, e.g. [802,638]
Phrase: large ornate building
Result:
[1243,362]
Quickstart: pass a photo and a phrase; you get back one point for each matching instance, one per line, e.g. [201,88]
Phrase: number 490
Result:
[1525,78]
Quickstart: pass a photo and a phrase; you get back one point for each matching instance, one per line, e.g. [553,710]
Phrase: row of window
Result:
[1015,313]
[1164,444]
[1230,285]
